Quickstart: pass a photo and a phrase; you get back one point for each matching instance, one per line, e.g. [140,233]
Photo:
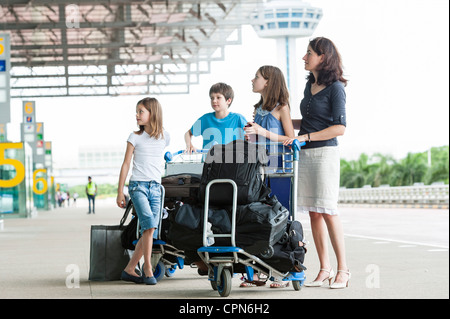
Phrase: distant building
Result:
[102,162]
[100,156]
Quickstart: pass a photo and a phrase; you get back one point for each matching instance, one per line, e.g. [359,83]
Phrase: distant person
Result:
[323,120]
[75,196]
[68,198]
[58,198]
[220,126]
[63,198]
[91,192]
[146,148]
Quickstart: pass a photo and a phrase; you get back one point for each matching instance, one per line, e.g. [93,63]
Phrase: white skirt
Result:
[318,180]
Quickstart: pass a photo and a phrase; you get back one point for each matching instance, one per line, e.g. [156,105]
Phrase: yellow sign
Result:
[18,166]
[20,170]
[36,180]
[2,46]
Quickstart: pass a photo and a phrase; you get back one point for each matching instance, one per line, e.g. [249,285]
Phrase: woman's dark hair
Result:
[330,70]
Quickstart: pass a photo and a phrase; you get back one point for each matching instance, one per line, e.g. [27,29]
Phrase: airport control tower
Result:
[285,21]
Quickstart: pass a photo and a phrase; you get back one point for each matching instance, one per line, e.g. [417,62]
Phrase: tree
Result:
[439,170]
[380,169]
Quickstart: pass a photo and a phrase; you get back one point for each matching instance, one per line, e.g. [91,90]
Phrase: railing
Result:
[428,195]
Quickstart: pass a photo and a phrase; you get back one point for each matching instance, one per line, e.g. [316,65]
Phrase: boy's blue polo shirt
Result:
[221,131]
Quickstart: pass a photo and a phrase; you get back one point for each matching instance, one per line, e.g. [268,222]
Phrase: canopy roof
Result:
[117,47]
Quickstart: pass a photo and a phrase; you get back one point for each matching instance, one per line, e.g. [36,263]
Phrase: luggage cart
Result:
[182,163]
[165,257]
[221,261]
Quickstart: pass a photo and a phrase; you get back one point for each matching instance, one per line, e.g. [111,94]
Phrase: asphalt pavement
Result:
[393,253]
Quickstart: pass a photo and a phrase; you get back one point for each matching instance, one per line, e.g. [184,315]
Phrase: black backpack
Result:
[241,162]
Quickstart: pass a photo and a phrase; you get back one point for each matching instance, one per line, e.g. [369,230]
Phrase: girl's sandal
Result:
[279,284]
[252,283]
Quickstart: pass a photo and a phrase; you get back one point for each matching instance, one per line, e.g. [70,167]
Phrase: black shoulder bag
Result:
[128,236]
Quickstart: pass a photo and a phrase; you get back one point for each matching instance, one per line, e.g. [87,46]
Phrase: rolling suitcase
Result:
[181,187]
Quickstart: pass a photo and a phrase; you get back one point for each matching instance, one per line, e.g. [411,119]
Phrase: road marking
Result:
[379,240]
[397,241]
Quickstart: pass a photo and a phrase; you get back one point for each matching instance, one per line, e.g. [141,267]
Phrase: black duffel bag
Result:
[186,226]
[289,253]
[260,225]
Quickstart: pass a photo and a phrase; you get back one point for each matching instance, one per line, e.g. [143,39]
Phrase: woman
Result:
[323,119]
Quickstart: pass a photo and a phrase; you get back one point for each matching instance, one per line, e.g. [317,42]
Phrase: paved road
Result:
[392,253]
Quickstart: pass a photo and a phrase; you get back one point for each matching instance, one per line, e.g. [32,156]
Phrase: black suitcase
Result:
[260,225]
[181,187]
[241,162]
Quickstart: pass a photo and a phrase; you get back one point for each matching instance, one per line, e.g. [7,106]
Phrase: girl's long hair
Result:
[276,91]
[330,70]
[156,117]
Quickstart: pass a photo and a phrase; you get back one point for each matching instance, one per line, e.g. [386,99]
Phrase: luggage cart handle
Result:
[168,157]
[233,214]
[296,146]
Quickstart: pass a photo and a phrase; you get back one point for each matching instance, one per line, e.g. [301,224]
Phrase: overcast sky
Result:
[395,54]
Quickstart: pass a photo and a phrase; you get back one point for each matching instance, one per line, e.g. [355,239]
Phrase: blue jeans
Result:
[91,198]
[146,198]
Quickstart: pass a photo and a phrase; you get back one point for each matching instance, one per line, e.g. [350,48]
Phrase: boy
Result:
[220,126]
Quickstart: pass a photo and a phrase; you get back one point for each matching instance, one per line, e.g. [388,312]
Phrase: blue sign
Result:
[2,66]
[6,204]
